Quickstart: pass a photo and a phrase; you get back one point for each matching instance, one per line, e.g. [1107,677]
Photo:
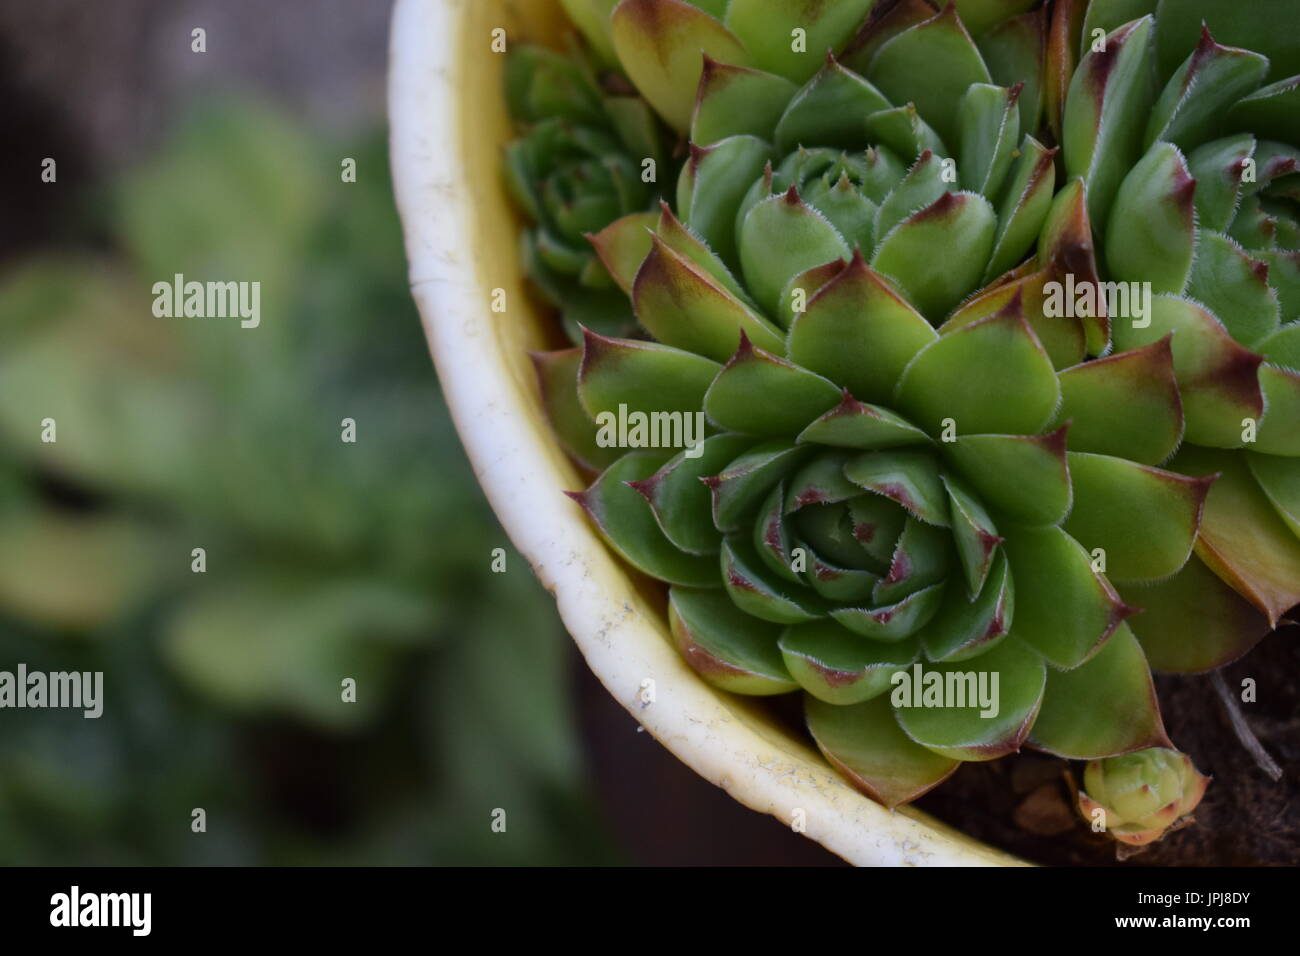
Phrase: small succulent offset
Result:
[1137,796]
[577,167]
[925,494]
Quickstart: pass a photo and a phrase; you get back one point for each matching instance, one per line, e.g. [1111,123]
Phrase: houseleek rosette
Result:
[576,167]
[1194,184]
[912,465]
[850,515]
[1136,797]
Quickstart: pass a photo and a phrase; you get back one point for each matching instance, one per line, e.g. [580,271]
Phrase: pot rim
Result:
[461,242]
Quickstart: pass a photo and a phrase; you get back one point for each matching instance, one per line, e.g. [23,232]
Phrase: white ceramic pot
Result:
[448,122]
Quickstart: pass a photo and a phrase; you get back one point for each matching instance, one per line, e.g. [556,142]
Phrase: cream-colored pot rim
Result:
[447,125]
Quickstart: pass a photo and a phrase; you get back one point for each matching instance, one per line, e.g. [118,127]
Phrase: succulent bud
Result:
[1138,796]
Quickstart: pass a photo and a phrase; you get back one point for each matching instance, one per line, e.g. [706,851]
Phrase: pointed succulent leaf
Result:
[990,132]
[803,287]
[902,130]
[1252,226]
[1024,206]
[1151,232]
[840,667]
[623,245]
[755,591]
[859,332]
[557,373]
[625,520]
[591,17]
[980,730]
[1217,167]
[906,476]
[1143,519]
[887,21]
[852,424]
[903,69]
[1242,538]
[839,585]
[643,376]
[1105,112]
[981,15]
[950,380]
[1064,609]
[757,393]
[736,100]
[714,182]
[679,499]
[815,115]
[659,43]
[681,239]
[965,627]
[1276,164]
[725,646]
[743,484]
[1015,51]
[938,255]
[1208,83]
[973,532]
[846,208]
[894,622]
[1253,26]
[1108,15]
[1102,707]
[780,238]
[820,482]
[766,28]
[1061,334]
[773,541]
[1217,378]
[865,743]
[1039,491]
[1270,112]
[921,558]
[1234,287]
[1126,404]
[682,306]
[1193,622]
[877,523]
[1064,31]
[921,187]
[828,532]
[1066,246]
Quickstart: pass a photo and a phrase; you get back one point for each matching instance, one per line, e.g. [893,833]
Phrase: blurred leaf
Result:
[66,572]
[274,640]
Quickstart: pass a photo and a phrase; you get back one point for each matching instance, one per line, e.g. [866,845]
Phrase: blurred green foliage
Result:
[324,559]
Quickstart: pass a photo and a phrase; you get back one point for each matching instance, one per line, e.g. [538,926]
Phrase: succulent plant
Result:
[1136,797]
[577,166]
[1198,197]
[912,469]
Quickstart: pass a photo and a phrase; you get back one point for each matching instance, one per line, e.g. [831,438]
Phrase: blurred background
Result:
[324,559]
